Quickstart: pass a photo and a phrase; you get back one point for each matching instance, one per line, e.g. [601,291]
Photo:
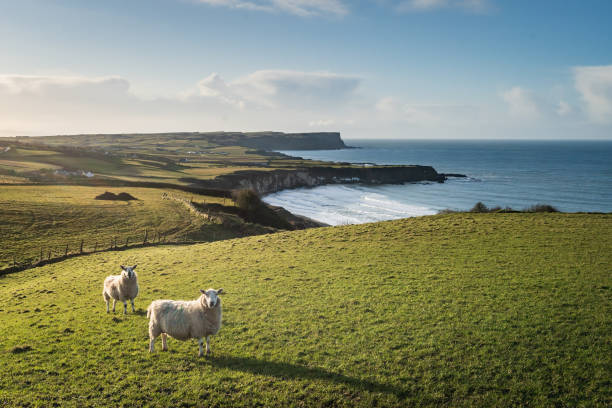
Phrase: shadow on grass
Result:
[287,371]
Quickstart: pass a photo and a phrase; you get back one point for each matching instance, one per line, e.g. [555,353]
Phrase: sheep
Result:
[184,320]
[122,287]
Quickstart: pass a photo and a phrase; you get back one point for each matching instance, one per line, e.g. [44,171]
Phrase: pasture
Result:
[448,310]
[51,217]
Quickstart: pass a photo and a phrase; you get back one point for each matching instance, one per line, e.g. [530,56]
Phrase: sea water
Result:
[574,176]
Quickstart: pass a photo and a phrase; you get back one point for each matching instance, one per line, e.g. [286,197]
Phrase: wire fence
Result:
[56,253]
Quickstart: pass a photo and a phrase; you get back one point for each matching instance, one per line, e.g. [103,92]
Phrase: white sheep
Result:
[185,320]
[121,288]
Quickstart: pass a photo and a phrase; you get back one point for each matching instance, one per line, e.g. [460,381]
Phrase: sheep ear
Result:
[203,291]
[122,267]
[220,291]
[134,267]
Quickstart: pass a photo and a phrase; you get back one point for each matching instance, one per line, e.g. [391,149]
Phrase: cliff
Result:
[266,182]
[281,141]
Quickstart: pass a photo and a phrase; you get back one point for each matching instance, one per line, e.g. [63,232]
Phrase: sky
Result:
[495,69]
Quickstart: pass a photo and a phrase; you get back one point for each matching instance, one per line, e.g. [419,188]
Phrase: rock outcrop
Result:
[266,182]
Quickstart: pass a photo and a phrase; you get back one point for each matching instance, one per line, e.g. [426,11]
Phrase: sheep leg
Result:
[201,353]
[208,345]
[124,307]
[106,299]
[132,301]
[153,333]
[114,301]
[164,342]
[107,309]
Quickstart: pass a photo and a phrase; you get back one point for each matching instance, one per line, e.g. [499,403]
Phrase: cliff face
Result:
[266,182]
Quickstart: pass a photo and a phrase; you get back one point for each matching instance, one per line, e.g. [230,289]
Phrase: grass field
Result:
[144,158]
[449,310]
[50,217]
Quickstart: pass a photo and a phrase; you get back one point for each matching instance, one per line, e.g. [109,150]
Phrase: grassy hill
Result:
[51,217]
[450,310]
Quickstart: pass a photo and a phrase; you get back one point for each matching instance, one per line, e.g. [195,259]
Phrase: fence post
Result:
[81,248]
[66,251]
[145,238]
[127,240]
[49,255]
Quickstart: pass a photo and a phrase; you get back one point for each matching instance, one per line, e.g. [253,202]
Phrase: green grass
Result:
[143,158]
[449,310]
[49,217]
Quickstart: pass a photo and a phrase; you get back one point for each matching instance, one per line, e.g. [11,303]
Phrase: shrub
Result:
[541,208]
[247,200]
[479,208]
[252,209]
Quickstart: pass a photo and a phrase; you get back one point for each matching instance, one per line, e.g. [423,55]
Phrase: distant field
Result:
[49,217]
[449,310]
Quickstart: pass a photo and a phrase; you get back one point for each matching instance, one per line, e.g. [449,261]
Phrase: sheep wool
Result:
[184,320]
[121,288]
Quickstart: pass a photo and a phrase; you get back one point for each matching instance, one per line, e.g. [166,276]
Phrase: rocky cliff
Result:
[283,141]
[266,182]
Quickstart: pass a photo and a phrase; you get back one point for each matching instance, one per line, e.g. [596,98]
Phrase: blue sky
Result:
[371,68]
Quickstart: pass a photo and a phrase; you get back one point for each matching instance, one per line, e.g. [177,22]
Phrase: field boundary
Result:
[18,267]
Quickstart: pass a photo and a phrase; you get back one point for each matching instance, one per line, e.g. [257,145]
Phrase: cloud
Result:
[472,6]
[63,88]
[521,103]
[280,99]
[322,123]
[302,8]
[563,109]
[280,89]
[594,84]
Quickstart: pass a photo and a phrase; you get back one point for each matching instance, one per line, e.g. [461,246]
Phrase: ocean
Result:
[574,176]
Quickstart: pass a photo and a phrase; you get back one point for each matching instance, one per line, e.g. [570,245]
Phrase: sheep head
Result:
[128,271]
[210,297]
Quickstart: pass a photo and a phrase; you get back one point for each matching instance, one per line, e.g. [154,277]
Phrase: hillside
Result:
[56,219]
[207,163]
[449,310]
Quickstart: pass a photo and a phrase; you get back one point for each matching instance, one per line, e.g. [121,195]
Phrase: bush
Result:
[546,208]
[252,209]
[247,200]
[479,208]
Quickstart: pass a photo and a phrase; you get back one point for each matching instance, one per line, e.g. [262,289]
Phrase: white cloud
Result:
[595,87]
[63,87]
[280,99]
[474,6]
[322,123]
[279,89]
[303,8]
[521,103]
[564,108]
[296,88]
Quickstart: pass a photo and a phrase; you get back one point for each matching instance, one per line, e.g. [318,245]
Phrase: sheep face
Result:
[211,297]
[128,271]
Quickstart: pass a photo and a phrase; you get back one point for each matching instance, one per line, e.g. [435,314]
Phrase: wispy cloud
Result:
[473,6]
[282,88]
[521,103]
[595,87]
[303,8]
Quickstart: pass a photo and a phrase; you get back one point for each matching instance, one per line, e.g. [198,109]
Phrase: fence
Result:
[53,254]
